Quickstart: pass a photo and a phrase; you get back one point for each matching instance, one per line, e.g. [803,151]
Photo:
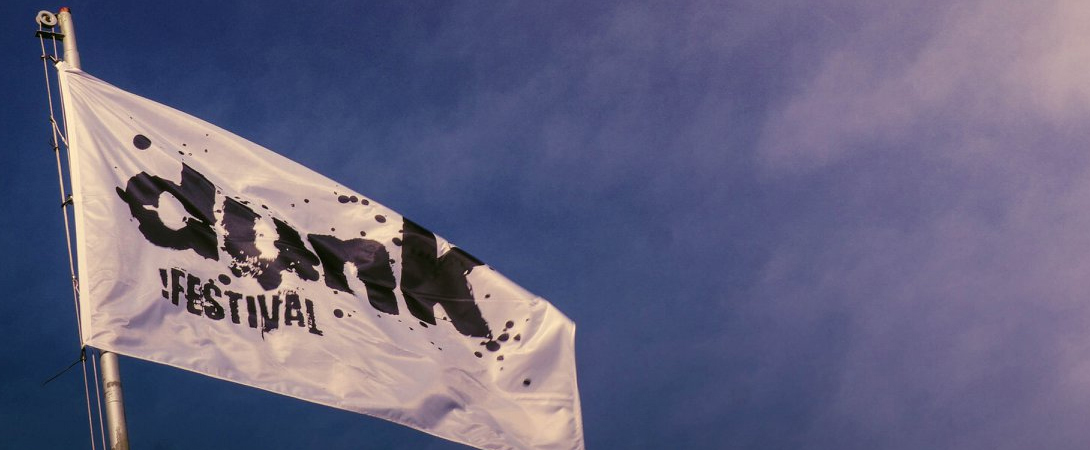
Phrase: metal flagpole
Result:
[111,373]
[115,407]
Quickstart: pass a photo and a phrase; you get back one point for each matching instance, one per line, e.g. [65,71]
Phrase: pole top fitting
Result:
[64,9]
[46,19]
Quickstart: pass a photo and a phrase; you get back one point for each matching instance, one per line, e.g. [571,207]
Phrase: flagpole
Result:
[111,372]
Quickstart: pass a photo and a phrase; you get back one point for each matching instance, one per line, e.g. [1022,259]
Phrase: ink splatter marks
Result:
[346,199]
[141,142]
[505,338]
[380,218]
[342,313]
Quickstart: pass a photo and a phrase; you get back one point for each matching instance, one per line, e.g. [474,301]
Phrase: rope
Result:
[87,400]
[98,397]
[82,357]
[67,231]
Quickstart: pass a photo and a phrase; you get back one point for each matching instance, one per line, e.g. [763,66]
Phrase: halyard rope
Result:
[57,137]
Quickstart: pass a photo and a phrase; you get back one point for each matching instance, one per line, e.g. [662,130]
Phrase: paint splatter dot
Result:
[343,199]
[487,295]
[499,358]
[183,144]
[518,337]
[397,241]
[224,279]
[332,229]
[424,324]
[353,199]
[181,153]
[306,200]
[478,354]
[380,218]
[363,233]
[492,346]
[510,324]
[338,313]
[503,337]
[365,202]
[526,382]
[141,142]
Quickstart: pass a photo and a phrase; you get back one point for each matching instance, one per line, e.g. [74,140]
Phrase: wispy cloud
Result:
[952,138]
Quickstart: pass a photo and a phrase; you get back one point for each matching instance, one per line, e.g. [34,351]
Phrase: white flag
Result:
[204,251]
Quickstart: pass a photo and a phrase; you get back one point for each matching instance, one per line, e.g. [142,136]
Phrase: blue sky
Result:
[830,225]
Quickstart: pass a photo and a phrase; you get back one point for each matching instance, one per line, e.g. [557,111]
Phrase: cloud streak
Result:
[957,261]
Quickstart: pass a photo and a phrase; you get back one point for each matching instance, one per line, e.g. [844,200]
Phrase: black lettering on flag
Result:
[177,284]
[251,309]
[270,316]
[241,243]
[232,302]
[193,294]
[196,194]
[372,263]
[293,309]
[428,279]
[312,326]
[211,307]
[201,297]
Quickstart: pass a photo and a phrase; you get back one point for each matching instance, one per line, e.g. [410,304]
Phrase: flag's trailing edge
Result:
[201,250]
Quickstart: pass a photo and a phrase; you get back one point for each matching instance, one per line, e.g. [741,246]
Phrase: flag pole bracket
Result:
[46,22]
[49,35]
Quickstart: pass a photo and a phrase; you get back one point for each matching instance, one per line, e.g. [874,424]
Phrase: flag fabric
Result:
[201,250]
